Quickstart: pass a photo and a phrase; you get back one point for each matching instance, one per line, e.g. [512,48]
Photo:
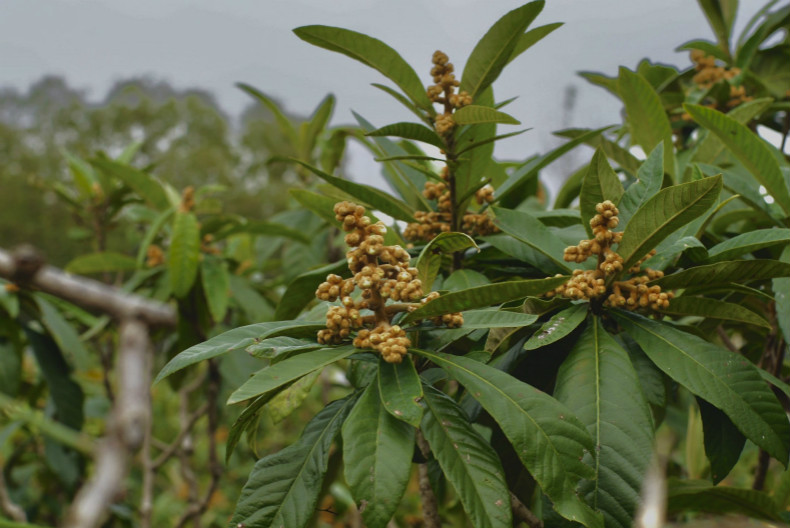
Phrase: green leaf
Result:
[599,385]
[319,204]
[278,374]
[291,397]
[107,261]
[216,286]
[247,420]
[530,170]
[532,37]
[599,184]
[475,115]
[283,488]
[151,233]
[647,119]
[781,288]
[709,48]
[711,146]
[494,50]
[273,347]
[401,391]
[748,148]
[148,187]
[720,15]
[726,380]
[627,161]
[526,228]
[9,300]
[64,334]
[723,441]
[257,227]
[430,260]
[317,125]
[724,272]
[412,131]
[184,255]
[377,453]
[748,243]
[560,325]
[665,213]
[483,296]
[648,182]
[547,437]
[468,461]
[286,127]
[237,339]
[494,318]
[301,290]
[376,198]
[701,496]
[713,309]
[402,100]
[371,52]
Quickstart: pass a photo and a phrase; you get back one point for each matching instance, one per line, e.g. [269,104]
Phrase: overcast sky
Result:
[213,44]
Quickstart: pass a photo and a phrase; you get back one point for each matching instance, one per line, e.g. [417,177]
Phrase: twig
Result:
[186,428]
[430,507]
[11,508]
[523,514]
[726,340]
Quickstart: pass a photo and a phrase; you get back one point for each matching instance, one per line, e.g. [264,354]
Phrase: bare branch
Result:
[25,267]
[523,514]
[430,507]
[125,431]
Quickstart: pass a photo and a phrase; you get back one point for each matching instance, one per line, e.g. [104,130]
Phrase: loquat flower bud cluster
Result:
[154,256]
[383,273]
[187,199]
[708,74]
[443,92]
[632,294]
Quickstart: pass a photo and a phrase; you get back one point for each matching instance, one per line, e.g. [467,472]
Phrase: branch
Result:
[126,430]
[25,266]
[523,514]
[430,508]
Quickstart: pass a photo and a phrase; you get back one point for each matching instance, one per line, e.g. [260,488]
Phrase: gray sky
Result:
[213,44]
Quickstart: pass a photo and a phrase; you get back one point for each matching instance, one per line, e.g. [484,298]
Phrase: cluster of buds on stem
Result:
[631,294]
[708,74]
[443,92]
[383,274]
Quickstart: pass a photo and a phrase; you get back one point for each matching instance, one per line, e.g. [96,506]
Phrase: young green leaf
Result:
[468,461]
[283,488]
[371,52]
[476,114]
[665,213]
[648,182]
[526,228]
[377,453]
[748,148]
[647,119]
[237,339]
[293,368]
[548,438]
[713,309]
[184,255]
[412,131]
[291,397]
[401,391]
[483,296]
[560,325]
[106,261]
[726,380]
[725,272]
[376,198]
[430,260]
[247,420]
[599,184]
[494,50]
[598,383]
[747,243]
[216,286]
